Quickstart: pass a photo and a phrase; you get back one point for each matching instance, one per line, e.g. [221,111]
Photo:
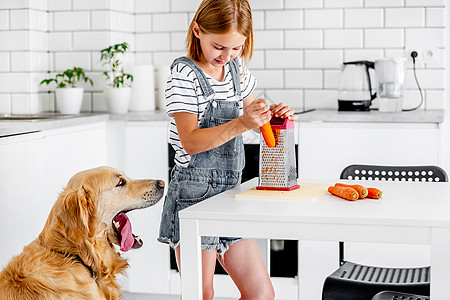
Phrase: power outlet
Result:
[426,55]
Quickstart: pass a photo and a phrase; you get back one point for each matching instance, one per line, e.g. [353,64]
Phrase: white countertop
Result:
[373,116]
[14,127]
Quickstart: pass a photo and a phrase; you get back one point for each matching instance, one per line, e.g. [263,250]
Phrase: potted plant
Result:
[118,93]
[69,97]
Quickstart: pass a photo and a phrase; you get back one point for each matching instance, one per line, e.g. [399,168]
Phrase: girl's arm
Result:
[195,140]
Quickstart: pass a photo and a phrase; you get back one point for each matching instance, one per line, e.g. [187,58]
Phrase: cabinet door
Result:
[22,206]
[325,149]
[147,157]
[70,150]
[35,168]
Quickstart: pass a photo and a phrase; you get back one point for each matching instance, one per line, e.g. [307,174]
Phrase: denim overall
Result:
[208,173]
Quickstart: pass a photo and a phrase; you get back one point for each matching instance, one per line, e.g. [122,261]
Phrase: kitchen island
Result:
[408,213]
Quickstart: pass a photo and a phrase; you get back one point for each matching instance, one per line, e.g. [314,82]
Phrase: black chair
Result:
[388,295]
[353,281]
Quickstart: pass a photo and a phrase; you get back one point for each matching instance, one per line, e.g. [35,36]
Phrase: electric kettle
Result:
[355,87]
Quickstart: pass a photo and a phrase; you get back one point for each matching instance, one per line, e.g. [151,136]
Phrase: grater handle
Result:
[267,133]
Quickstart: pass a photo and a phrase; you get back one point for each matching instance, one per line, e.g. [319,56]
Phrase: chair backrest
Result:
[389,295]
[395,173]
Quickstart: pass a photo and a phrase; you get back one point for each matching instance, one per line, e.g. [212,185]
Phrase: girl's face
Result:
[218,49]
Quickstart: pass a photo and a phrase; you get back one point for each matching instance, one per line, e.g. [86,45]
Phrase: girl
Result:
[210,102]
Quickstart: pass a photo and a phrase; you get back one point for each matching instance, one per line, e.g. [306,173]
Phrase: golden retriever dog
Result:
[74,256]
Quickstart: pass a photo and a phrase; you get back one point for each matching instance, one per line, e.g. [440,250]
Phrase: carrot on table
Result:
[362,191]
[374,193]
[344,192]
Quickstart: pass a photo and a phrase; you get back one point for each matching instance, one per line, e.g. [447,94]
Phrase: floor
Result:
[134,296]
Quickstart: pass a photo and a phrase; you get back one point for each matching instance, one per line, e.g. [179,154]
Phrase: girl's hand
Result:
[256,114]
[283,111]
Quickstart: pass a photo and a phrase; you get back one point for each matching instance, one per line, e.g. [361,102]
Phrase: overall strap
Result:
[204,85]
[235,75]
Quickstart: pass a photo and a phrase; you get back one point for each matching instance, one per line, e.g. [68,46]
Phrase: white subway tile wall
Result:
[299,45]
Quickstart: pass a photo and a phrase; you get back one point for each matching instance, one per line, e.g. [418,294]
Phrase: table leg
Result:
[440,264]
[191,268]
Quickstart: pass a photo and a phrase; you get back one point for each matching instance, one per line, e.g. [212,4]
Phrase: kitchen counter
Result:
[374,116]
[157,115]
[14,127]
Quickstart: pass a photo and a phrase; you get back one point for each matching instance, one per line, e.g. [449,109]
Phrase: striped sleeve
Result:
[180,93]
[248,81]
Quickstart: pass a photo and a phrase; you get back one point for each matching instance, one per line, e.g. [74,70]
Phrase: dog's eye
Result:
[122,182]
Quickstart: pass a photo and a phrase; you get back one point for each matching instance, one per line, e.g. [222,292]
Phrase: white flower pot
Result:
[117,99]
[69,100]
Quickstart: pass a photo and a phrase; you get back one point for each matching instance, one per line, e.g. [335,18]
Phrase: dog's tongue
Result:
[127,238]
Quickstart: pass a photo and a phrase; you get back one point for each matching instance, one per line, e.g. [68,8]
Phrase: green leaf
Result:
[111,58]
[69,77]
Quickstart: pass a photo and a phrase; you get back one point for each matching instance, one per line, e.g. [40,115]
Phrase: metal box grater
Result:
[277,167]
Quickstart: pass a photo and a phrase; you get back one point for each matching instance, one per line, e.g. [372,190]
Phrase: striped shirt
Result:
[183,94]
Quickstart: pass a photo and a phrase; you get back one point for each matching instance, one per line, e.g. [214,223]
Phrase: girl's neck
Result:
[214,72]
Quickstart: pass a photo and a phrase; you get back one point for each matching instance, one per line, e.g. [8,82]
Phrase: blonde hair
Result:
[222,16]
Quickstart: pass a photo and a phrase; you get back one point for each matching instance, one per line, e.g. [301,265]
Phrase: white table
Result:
[408,213]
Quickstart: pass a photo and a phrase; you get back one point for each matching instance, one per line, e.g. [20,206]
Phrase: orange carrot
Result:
[374,193]
[344,192]
[362,191]
[267,133]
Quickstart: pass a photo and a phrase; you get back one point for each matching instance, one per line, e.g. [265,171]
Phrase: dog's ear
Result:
[78,214]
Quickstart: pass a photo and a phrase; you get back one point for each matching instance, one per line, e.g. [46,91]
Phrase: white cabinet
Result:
[325,149]
[69,150]
[35,167]
[21,202]
[146,156]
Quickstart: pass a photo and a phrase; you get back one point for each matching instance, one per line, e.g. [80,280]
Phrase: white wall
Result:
[446,123]
[299,45]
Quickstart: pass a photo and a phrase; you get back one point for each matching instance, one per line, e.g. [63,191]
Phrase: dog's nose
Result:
[160,184]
